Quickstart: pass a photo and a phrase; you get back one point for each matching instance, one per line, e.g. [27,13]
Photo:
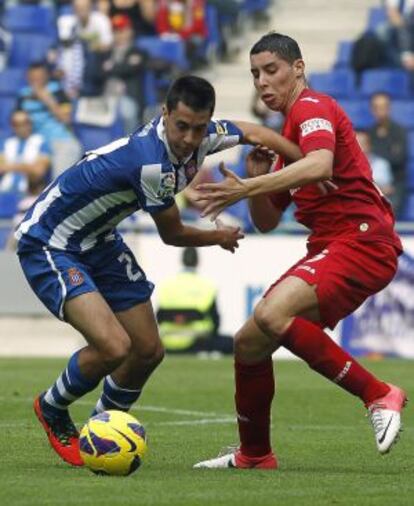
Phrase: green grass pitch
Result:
[324,443]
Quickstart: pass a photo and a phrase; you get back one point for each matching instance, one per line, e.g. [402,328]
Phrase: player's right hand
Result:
[259,161]
[230,236]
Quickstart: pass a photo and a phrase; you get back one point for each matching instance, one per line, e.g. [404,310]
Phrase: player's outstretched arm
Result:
[315,167]
[173,231]
[260,135]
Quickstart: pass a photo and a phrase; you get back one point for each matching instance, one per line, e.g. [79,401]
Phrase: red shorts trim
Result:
[345,275]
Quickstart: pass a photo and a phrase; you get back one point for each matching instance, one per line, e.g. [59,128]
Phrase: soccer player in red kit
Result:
[352,254]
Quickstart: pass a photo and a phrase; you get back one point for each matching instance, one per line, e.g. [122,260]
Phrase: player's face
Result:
[185,129]
[277,81]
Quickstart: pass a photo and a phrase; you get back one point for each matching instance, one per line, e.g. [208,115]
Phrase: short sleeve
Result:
[315,124]
[155,186]
[222,134]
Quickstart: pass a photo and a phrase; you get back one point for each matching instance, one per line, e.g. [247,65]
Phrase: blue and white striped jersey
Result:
[82,207]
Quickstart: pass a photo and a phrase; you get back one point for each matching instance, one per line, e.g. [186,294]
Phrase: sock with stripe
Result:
[310,343]
[115,397]
[70,386]
[255,388]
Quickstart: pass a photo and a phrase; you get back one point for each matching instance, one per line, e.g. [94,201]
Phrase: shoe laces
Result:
[228,450]
[64,429]
[375,416]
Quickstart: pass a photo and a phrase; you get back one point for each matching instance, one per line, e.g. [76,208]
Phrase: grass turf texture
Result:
[323,441]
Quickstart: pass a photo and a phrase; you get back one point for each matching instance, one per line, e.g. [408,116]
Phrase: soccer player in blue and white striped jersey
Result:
[78,265]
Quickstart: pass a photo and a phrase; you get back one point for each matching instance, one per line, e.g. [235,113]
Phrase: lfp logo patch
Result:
[75,276]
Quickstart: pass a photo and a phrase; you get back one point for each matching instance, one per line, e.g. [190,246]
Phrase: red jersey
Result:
[349,205]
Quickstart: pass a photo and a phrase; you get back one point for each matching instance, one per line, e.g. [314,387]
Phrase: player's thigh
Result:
[290,297]
[90,314]
[140,324]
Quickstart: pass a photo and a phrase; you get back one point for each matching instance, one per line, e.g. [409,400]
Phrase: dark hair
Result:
[284,46]
[38,65]
[195,92]
[190,257]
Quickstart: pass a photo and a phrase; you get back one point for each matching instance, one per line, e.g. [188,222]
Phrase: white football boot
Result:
[232,458]
[385,416]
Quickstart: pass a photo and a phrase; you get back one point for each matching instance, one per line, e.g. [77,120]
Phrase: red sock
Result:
[310,343]
[255,388]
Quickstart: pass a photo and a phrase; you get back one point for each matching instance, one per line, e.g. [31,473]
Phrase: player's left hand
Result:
[217,196]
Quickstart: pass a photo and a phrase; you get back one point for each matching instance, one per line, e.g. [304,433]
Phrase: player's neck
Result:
[295,94]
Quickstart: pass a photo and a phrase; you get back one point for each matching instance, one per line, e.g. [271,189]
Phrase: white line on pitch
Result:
[139,407]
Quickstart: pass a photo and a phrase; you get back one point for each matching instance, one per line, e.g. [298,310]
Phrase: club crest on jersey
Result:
[315,124]
[167,185]
[190,170]
[75,276]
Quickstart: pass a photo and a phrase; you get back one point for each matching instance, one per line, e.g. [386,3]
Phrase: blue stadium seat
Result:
[395,82]
[4,235]
[8,204]
[359,113]
[11,80]
[410,175]
[408,211]
[92,137]
[7,105]
[377,16]
[30,18]
[252,6]
[213,40]
[27,48]
[339,83]
[411,145]
[402,111]
[170,49]
[343,54]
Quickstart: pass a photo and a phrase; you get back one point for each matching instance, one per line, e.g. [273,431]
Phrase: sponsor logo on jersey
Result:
[221,128]
[314,125]
[75,276]
[167,185]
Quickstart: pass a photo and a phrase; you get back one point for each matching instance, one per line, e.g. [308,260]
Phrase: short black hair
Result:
[38,65]
[190,257]
[284,46]
[195,92]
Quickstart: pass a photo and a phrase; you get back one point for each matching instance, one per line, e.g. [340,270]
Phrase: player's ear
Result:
[299,67]
[164,112]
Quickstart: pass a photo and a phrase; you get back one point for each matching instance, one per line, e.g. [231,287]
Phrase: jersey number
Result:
[126,259]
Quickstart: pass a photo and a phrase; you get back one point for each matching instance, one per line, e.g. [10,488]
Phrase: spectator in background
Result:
[49,109]
[141,13]
[187,312]
[5,40]
[389,141]
[25,164]
[124,71]
[381,168]
[187,19]
[400,36]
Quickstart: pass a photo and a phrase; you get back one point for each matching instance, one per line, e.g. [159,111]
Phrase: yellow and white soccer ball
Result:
[113,443]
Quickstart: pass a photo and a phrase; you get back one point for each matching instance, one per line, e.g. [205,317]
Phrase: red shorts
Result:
[345,274]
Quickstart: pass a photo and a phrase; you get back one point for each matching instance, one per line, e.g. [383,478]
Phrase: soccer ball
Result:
[113,442]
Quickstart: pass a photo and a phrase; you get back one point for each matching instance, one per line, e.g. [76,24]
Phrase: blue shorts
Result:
[111,269]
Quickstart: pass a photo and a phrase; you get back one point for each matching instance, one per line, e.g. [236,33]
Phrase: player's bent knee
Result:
[270,321]
[151,354]
[115,352]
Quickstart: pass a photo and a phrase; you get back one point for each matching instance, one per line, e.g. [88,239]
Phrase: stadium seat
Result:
[343,54]
[213,40]
[11,80]
[395,82]
[30,18]
[377,16]
[7,105]
[170,49]
[410,175]
[408,211]
[411,145]
[253,6]
[27,48]
[92,137]
[339,83]
[359,113]
[402,111]
[4,235]
[8,204]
